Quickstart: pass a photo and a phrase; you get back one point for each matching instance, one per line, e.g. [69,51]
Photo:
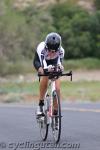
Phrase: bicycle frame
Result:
[52,88]
[52,84]
[51,118]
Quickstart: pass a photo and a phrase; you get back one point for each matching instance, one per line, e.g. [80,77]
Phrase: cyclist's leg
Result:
[58,86]
[43,87]
[57,83]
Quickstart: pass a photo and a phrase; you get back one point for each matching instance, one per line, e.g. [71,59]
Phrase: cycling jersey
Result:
[43,57]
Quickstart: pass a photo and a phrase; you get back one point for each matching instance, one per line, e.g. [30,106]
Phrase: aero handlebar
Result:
[56,74]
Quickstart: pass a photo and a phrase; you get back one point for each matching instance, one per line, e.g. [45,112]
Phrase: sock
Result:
[55,112]
[41,103]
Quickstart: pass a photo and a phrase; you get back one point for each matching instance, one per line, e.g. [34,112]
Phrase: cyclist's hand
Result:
[60,68]
[40,70]
[50,68]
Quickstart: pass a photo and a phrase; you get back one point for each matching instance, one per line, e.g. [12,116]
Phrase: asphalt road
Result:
[80,128]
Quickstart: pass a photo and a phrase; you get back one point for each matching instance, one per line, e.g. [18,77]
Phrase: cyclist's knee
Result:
[58,86]
[44,81]
[58,89]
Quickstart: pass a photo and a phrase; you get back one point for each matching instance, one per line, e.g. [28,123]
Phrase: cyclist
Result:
[48,53]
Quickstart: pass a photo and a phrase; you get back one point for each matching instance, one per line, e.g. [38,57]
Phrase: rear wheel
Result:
[56,119]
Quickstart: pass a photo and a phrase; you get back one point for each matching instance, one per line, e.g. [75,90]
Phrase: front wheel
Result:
[43,123]
[56,118]
[43,127]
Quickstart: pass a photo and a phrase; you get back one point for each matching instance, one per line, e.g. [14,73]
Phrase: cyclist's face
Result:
[51,53]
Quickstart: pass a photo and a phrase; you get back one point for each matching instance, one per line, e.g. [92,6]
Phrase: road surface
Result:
[80,128]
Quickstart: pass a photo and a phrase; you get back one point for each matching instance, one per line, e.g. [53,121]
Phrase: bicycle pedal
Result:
[40,116]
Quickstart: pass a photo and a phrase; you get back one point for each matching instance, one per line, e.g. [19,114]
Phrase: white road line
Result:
[17,105]
[81,109]
[30,106]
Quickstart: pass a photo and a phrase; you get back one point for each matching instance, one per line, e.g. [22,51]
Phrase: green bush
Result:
[97,4]
[79,30]
[21,31]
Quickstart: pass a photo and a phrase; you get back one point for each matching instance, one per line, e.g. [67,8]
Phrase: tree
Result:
[79,30]
[97,4]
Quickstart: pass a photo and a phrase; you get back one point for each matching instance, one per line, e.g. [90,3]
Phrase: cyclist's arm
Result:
[61,56]
[39,60]
[36,61]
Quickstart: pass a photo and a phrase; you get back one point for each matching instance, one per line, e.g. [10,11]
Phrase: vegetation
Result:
[70,91]
[82,64]
[97,4]
[18,67]
[80,30]
[22,29]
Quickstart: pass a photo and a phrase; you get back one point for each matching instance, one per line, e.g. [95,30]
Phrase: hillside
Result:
[24,23]
[21,4]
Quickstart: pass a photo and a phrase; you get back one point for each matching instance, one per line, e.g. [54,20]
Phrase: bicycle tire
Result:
[44,123]
[43,129]
[57,133]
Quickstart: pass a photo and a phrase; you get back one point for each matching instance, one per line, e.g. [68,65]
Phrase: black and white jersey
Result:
[44,58]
